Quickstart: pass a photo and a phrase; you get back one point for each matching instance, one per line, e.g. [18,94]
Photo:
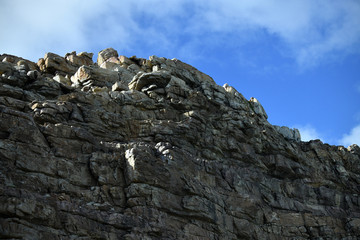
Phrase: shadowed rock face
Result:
[154,149]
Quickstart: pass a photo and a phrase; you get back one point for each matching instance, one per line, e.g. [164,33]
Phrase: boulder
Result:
[125,61]
[80,59]
[33,75]
[14,60]
[289,133]
[355,149]
[125,75]
[160,79]
[6,68]
[53,63]
[106,54]
[99,76]
[62,80]
[119,86]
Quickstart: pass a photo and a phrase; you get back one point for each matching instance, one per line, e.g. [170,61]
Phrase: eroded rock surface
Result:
[131,148]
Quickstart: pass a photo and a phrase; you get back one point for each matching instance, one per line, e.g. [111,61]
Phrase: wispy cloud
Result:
[310,30]
[308,133]
[29,28]
[352,138]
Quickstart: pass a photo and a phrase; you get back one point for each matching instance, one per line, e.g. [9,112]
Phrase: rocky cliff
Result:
[129,148]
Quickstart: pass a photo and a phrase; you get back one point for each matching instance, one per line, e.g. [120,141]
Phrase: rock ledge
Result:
[133,148]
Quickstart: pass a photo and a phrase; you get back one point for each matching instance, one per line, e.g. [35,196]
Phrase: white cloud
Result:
[308,133]
[31,28]
[352,138]
[311,30]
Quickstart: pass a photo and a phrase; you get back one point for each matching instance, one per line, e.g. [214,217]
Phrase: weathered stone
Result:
[174,157]
[134,68]
[47,87]
[113,60]
[160,79]
[80,59]
[110,65]
[106,54]
[22,66]
[125,75]
[14,60]
[235,99]
[52,63]
[62,80]
[33,75]
[354,149]
[6,68]
[125,61]
[289,133]
[119,86]
[257,107]
[157,60]
[100,77]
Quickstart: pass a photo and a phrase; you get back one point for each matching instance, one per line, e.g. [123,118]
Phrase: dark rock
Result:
[160,79]
[6,68]
[174,157]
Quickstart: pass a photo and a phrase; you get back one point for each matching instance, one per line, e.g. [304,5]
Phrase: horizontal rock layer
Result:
[129,148]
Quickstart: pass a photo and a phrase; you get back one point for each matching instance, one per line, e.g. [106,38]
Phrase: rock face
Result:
[154,149]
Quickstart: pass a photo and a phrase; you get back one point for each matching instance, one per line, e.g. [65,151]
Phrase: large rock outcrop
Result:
[129,148]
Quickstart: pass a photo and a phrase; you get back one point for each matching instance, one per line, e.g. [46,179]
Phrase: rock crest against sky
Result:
[300,58]
[133,148]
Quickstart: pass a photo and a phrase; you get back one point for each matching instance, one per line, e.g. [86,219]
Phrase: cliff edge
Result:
[133,148]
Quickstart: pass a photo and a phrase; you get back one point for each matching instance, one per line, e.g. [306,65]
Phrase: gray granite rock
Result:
[289,133]
[168,155]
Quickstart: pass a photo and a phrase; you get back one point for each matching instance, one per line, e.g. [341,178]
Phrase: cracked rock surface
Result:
[130,148]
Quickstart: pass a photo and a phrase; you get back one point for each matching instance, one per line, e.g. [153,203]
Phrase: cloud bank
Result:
[312,31]
[31,28]
[308,133]
[309,33]
[352,138]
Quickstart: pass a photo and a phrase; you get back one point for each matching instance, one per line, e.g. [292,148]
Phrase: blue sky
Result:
[299,58]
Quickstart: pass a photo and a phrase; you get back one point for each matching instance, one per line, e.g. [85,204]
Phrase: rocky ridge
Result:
[133,148]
